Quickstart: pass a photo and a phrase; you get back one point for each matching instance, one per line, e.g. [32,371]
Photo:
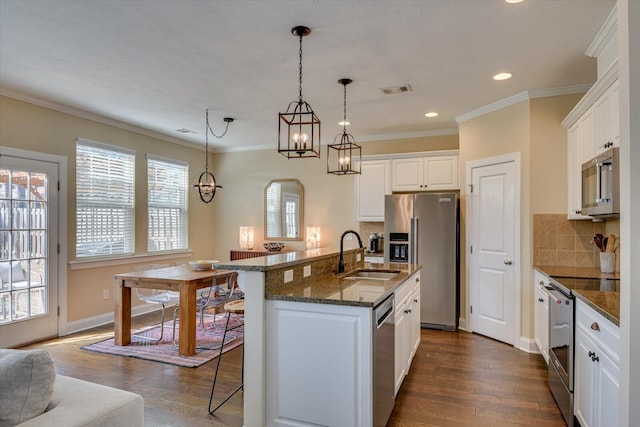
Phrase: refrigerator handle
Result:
[413,241]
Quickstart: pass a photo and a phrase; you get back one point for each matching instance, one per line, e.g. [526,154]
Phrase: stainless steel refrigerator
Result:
[423,228]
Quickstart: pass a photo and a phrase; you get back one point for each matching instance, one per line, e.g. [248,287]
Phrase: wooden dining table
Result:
[182,279]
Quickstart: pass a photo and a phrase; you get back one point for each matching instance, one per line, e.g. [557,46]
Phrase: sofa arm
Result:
[78,403]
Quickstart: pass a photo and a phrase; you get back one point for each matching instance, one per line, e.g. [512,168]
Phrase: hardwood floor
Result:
[457,379]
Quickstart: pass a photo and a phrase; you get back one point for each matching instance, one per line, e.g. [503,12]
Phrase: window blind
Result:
[167,203]
[105,199]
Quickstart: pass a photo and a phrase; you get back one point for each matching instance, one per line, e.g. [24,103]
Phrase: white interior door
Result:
[494,301]
[28,250]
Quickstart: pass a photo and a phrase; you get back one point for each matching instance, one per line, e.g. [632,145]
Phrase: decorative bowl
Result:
[273,246]
[202,264]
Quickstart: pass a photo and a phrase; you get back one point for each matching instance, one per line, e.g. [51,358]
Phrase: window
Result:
[167,203]
[105,199]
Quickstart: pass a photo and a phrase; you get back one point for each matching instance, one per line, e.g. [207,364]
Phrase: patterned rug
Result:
[164,351]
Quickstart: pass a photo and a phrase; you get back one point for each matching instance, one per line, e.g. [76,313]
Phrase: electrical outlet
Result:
[288,276]
[105,294]
[358,257]
[306,271]
[307,291]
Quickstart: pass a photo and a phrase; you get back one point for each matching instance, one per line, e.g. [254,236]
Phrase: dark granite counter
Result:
[341,291]
[605,300]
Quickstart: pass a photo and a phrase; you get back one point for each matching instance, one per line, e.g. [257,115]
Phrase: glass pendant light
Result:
[299,126]
[344,155]
[206,184]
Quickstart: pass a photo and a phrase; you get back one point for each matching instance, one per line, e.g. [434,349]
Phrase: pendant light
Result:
[207,185]
[343,157]
[299,126]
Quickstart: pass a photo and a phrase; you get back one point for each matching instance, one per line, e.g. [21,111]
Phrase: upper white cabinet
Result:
[606,132]
[382,174]
[432,173]
[371,186]
[578,151]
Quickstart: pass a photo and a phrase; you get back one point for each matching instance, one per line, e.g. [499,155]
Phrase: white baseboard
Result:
[462,324]
[106,318]
[528,345]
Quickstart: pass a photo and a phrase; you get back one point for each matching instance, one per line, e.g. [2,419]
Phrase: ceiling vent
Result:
[183,130]
[396,89]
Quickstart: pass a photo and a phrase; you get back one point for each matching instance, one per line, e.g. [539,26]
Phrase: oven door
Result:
[561,335]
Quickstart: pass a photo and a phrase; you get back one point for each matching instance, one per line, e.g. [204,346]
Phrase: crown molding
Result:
[606,33]
[408,135]
[98,118]
[520,97]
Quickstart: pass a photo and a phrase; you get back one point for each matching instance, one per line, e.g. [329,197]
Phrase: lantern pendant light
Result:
[206,184]
[344,155]
[299,126]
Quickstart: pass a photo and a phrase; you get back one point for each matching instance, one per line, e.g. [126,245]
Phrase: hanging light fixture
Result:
[343,157]
[299,126]
[206,184]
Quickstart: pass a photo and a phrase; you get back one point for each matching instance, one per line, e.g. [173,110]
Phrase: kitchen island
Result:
[296,305]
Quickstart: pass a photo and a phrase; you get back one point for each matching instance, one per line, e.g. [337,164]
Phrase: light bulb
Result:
[296,137]
[305,137]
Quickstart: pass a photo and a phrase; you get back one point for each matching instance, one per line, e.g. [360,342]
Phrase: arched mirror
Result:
[283,210]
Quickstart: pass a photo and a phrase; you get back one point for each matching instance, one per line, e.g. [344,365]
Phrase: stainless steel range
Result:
[561,336]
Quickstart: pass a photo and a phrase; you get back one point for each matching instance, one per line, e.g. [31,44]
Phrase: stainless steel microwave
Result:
[601,185]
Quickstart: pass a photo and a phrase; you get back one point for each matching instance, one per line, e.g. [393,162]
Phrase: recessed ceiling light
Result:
[514,1]
[502,76]
[344,123]
[431,114]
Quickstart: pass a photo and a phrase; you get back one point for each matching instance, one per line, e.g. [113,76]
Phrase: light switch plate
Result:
[306,271]
[288,276]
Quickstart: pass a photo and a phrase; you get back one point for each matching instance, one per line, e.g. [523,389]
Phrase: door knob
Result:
[508,262]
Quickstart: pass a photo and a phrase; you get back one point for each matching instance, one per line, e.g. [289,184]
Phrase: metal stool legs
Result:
[215,378]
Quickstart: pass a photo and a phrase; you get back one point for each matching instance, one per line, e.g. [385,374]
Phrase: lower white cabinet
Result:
[407,327]
[597,369]
[541,315]
[319,365]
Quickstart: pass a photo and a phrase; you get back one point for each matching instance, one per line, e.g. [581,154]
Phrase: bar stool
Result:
[233,307]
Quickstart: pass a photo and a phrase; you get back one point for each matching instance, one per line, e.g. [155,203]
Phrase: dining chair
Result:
[161,297]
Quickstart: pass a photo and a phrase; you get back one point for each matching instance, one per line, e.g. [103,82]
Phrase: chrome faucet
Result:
[341,264]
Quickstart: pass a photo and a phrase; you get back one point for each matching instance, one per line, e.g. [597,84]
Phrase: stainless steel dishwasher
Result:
[383,361]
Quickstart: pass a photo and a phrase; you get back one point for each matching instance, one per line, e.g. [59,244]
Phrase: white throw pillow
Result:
[26,384]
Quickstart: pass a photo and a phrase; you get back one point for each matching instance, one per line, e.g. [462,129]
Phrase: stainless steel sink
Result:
[373,274]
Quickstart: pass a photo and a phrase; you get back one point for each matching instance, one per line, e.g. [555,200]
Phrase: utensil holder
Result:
[608,262]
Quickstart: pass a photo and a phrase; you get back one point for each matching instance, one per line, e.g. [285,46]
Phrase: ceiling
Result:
[158,65]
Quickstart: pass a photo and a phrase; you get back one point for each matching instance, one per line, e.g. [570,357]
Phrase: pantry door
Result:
[28,250]
[493,254]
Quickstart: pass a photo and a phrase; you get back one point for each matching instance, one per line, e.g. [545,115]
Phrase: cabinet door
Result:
[587,136]
[575,154]
[602,123]
[407,174]
[414,328]
[400,362]
[608,389]
[371,187]
[614,99]
[440,173]
[541,321]
[584,382]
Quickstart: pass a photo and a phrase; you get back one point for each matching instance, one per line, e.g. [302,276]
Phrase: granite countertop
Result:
[340,291]
[605,302]
[280,259]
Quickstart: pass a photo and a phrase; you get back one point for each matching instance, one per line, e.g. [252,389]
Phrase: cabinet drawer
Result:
[598,328]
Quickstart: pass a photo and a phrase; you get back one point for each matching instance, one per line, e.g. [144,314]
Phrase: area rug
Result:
[166,352]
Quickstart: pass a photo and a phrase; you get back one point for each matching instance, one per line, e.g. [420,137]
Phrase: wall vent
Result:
[396,89]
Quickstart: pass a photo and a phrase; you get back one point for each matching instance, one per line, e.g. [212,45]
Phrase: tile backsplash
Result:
[559,241]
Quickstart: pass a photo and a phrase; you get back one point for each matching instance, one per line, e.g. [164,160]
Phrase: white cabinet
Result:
[595,131]
[318,353]
[541,315]
[597,361]
[371,186]
[431,173]
[407,327]
[606,121]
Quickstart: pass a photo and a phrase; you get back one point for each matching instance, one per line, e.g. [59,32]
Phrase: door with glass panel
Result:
[28,254]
